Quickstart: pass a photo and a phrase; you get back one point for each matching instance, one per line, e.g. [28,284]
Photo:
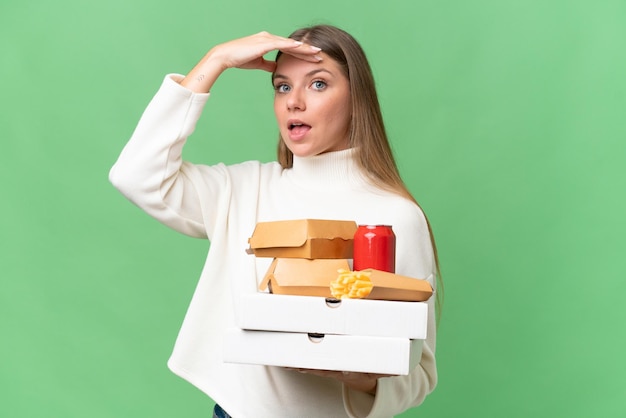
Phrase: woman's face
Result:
[312,105]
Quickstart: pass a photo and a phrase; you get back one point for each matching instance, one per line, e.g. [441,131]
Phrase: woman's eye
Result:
[282,88]
[319,85]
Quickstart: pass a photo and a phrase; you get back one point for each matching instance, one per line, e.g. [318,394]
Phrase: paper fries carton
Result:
[391,286]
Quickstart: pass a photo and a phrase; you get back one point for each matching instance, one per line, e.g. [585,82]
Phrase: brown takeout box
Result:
[305,238]
[391,286]
[312,278]
[299,276]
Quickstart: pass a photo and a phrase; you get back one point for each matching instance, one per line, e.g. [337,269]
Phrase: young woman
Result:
[334,162]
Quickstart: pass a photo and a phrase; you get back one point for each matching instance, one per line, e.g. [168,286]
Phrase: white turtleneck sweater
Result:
[224,203]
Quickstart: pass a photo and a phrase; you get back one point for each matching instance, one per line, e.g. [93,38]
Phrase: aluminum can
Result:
[374,247]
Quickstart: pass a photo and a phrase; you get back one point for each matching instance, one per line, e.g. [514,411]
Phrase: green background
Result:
[508,121]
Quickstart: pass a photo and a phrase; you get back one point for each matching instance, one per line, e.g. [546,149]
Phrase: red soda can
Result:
[374,247]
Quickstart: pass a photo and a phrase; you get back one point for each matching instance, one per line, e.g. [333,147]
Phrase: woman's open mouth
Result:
[297,130]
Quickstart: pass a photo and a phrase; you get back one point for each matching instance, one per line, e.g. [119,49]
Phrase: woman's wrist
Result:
[202,77]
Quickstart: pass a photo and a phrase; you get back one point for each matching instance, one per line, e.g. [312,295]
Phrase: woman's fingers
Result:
[306,53]
[261,63]
[268,66]
[303,51]
[364,382]
[248,52]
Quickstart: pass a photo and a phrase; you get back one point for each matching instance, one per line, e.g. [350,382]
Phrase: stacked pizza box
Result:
[293,320]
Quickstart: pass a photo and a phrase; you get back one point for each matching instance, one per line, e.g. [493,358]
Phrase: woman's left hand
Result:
[364,382]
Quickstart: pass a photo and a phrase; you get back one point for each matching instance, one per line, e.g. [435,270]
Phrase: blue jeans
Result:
[218,412]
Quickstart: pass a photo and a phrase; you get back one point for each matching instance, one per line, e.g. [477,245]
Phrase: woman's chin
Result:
[304,151]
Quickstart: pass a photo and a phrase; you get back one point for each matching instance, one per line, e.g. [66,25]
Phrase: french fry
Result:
[351,284]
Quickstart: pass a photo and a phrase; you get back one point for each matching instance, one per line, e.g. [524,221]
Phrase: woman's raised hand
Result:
[245,53]
[248,52]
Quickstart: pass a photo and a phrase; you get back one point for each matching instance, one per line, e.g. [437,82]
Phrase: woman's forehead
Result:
[289,66]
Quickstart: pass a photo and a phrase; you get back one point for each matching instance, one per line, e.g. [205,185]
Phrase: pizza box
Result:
[351,353]
[364,317]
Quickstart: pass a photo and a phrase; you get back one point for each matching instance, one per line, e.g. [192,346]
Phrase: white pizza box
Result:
[384,355]
[315,314]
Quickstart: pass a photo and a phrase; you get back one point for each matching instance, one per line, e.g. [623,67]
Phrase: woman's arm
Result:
[244,53]
[150,171]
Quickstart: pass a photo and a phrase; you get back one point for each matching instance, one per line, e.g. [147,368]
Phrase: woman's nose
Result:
[296,101]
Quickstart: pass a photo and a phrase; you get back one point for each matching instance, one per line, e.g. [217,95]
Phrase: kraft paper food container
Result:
[363,317]
[304,238]
[293,276]
[304,277]
[397,356]
[391,286]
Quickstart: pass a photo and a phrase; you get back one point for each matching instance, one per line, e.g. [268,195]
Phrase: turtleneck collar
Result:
[330,170]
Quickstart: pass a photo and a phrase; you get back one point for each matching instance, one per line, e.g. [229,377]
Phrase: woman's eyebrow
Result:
[309,74]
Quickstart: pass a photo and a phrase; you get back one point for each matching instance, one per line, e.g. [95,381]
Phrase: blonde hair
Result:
[367,133]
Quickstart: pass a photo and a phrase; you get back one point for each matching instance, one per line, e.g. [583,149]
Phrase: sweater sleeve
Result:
[150,171]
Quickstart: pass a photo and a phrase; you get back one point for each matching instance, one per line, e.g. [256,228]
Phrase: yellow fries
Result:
[351,284]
